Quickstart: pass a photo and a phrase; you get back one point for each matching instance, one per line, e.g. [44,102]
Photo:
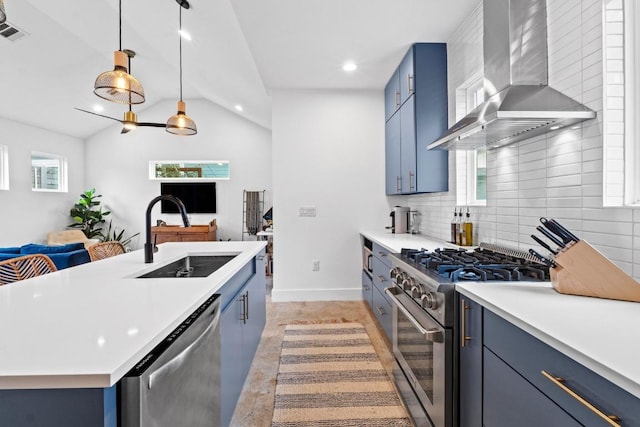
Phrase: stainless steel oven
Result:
[424,351]
[424,326]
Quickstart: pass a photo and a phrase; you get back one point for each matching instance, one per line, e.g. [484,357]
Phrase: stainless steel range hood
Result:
[518,103]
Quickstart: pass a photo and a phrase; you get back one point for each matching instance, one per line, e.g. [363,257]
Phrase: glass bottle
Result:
[454,227]
[459,229]
[468,230]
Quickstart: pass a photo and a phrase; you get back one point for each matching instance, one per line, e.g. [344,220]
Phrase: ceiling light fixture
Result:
[239,107]
[180,123]
[118,85]
[349,66]
[130,121]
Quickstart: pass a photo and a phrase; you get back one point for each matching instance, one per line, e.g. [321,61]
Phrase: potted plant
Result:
[88,215]
[113,234]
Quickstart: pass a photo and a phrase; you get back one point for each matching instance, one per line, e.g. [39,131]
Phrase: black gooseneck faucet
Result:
[148,246]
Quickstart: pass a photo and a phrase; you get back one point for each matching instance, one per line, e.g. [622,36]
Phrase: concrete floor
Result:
[255,407]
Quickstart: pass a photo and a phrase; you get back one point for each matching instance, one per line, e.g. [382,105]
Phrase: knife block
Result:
[582,270]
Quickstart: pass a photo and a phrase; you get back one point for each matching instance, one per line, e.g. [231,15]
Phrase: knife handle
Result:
[543,244]
[564,230]
[550,236]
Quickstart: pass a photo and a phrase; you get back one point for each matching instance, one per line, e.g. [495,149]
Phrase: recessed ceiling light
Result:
[239,107]
[349,66]
[98,108]
[556,127]
[185,35]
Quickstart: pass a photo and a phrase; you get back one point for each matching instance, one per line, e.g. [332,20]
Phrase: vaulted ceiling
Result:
[241,50]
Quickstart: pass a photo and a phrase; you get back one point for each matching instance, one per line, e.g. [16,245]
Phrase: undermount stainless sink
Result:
[189,266]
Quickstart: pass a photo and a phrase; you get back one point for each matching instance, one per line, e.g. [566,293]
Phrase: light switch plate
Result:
[307,211]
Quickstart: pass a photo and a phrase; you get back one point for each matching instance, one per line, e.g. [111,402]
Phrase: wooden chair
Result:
[105,250]
[25,267]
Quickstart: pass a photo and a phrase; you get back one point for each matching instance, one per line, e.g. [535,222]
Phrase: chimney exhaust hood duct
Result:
[518,102]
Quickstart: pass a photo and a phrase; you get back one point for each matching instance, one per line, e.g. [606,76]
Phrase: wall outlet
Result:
[307,211]
[315,265]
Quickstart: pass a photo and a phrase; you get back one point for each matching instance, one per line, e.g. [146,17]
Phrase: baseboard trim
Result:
[340,294]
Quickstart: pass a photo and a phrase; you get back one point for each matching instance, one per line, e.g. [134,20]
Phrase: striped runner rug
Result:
[330,376]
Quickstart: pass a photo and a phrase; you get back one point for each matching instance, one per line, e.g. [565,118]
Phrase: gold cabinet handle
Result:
[463,324]
[380,310]
[559,381]
[381,278]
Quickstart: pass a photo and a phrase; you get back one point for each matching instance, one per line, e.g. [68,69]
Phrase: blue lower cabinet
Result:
[383,312]
[79,407]
[469,363]
[243,321]
[510,400]
[367,289]
[508,377]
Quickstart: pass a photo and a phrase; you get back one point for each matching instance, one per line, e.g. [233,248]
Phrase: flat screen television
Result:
[198,197]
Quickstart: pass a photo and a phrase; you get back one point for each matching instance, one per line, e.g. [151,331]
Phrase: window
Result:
[48,172]
[621,98]
[4,167]
[189,170]
[471,166]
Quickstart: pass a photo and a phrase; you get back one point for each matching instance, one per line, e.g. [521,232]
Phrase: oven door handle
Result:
[433,334]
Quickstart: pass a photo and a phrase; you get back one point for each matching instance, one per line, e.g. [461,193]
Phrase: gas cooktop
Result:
[477,265]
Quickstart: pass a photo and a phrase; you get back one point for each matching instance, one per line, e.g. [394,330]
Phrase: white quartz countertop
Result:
[86,326]
[600,334]
[394,242]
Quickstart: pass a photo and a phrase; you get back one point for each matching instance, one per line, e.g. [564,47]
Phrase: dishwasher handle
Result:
[177,361]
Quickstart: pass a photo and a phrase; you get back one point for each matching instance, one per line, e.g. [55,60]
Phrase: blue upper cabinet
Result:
[392,95]
[406,74]
[416,111]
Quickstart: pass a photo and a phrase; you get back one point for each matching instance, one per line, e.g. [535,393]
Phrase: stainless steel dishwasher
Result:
[178,382]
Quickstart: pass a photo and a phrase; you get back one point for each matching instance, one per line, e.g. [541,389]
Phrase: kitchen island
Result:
[77,331]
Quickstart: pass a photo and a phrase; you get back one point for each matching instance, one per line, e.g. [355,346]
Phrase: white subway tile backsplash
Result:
[575,191]
[560,170]
[565,213]
[604,214]
[564,181]
[592,166]
[564,202]
[592,190]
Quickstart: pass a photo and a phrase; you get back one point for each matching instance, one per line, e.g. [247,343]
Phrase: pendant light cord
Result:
[180,34]
[120,25]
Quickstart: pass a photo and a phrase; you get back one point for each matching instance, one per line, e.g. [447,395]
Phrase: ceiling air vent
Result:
[11,32]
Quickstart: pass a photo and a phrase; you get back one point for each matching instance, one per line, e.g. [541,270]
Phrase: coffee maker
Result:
[399,219]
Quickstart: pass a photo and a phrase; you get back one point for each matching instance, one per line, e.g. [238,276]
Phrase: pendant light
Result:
[118,85]
[3,15]
[180,123]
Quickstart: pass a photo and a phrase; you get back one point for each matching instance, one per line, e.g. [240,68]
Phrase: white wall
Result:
[117,165]
[558,175]
[328,152]
[27,216]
